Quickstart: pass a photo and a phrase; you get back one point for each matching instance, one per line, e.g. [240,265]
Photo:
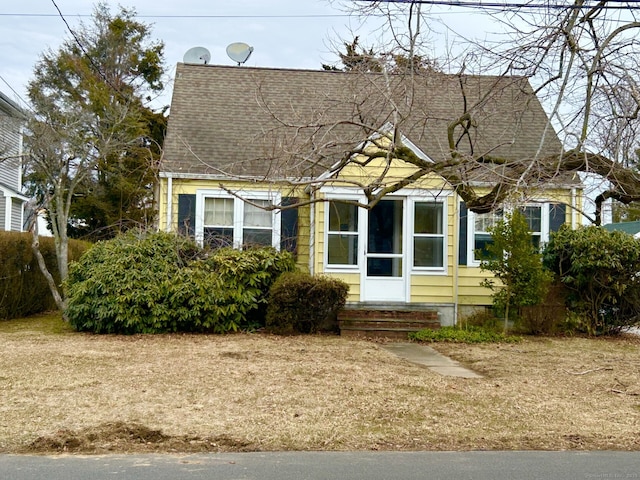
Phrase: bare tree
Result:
[582,59]
[88,107]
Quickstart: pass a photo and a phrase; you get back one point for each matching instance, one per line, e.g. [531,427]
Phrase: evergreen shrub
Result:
[160,282]
[23,288]
[302,303]
[601,270]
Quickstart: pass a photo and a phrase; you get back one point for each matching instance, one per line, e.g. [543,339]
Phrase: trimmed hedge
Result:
[160,282]
[23,288]
[301,303]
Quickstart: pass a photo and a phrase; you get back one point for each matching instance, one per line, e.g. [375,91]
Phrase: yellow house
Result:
[284,158]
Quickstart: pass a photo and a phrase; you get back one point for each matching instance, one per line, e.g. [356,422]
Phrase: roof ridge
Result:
[340,72]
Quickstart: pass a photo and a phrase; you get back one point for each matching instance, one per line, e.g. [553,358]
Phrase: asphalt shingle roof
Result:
[279,122]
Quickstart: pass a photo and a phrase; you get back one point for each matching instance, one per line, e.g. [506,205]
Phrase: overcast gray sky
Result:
[284,33]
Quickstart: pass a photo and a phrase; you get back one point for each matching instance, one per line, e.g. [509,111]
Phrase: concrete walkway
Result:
[428,357]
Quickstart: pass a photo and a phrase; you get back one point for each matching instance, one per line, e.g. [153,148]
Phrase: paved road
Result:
[329,465]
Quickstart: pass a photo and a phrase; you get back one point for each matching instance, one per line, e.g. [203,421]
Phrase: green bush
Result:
[301,303]
[516,262]
[601,270]
[23,289]
[468,335]
[254,271]
[159,282]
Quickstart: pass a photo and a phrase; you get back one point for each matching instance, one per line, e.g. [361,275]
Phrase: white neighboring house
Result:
[12,202]
[632,228]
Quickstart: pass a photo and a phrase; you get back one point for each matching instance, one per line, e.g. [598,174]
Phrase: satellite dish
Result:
[197,55]
[239,52]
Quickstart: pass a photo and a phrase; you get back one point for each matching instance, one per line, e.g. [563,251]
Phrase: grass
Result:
[62,391]
[45,323]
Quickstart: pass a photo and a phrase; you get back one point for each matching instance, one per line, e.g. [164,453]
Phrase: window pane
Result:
[218,237]
[218,211]
[535,239]
[482,240]
[256,216]
[384,267]
[385,227]
[485,221]
[534,218]
[428,252]
[428,218]
[255,237]
[343,217]
[342,249]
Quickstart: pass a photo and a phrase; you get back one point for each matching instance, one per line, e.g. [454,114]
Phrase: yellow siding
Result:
[470,292]
[351,279]
[432,288]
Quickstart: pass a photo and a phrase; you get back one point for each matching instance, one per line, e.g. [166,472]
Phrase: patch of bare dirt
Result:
[128,438]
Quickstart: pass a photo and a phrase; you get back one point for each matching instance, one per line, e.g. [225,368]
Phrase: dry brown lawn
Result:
[64,391]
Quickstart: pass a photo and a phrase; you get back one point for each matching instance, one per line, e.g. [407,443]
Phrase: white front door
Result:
[384,273]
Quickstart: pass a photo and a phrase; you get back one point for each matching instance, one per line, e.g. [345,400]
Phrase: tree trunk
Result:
[35,245]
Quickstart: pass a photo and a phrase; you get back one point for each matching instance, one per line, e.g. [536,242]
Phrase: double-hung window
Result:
[239,221]
[428,235]
[534,216]
[218,221]
[342,234]
[541,219]
[483,223]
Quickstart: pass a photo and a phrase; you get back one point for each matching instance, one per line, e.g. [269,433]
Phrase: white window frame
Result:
[442,200]
[471,229]
[361,233]
[337,194]
[238,213]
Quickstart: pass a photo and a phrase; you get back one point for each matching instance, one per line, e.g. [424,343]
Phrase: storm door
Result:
[384,277]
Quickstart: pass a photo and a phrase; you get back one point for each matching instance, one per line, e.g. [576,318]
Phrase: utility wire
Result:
[337,15]
[89,57]
[608,5]
[15,93]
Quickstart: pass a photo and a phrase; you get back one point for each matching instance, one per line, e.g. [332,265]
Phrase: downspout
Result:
[312,230]
[169,202]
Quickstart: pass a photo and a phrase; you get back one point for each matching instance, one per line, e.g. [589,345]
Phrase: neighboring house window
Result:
[232,221]
[342,234]
[428,235]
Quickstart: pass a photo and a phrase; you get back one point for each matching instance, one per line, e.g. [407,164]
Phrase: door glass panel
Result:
[384,239]
[384,267]
[385,227]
